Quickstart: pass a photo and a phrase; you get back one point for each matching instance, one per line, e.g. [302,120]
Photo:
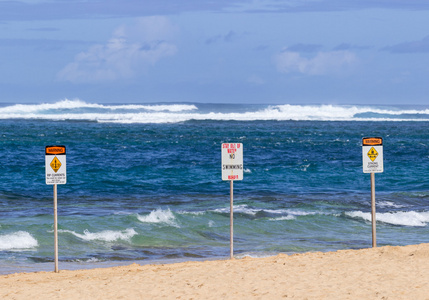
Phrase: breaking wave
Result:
[159,216]
[106,235]
[402,218]
[19,240]
[173,113]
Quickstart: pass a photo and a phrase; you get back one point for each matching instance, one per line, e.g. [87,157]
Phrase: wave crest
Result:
[159,216]
[402,218]
[19,240]
[67,104]
[173,113]
[106,235]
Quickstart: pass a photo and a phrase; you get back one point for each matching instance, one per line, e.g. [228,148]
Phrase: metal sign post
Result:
[232,169]
[55,169]
[372,157]
[55,228]
[231,219]
[373,214]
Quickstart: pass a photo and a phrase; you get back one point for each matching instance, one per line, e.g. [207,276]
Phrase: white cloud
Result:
[128,51]
[323,63]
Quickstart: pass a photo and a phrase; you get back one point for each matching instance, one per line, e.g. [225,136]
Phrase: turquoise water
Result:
[144,181]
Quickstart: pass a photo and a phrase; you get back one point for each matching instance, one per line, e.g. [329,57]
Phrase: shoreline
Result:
[399,272]
[87,265]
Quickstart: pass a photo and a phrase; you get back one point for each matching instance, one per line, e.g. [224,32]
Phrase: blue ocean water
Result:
[144,181]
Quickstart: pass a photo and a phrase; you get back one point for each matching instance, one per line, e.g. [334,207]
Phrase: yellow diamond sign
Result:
[372,154]
[55,164]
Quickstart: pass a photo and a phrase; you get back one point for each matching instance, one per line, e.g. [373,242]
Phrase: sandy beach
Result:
[381,273]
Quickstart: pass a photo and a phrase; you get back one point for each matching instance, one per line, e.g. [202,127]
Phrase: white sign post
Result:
[55,169]
[232,169]
[372,157]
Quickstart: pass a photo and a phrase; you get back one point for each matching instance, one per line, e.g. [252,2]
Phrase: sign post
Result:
[55,171]
[372,157]
[232,169]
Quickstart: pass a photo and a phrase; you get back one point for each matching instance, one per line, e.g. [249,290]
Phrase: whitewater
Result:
[173,113]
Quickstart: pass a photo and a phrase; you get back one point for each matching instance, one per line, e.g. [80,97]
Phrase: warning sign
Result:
[55,165]
[372,141]
[232,161]
[372,155]
[55,150]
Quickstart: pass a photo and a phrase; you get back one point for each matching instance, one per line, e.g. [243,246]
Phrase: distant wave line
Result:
[77,104]
[174,113]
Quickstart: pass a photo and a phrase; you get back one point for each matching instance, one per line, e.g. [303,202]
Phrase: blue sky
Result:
[235,51]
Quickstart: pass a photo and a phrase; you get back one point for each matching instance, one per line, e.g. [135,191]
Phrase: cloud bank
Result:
[421,46]
[323,63]
[71,9]
[130,50]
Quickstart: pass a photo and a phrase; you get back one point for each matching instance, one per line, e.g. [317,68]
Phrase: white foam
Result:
[337,112]
[238,209]
[106,235]
[19,240]
[305,213]
[389,204]
[195,213]
[89,260]
[304,167]
[159,216]
[169,107]
[403,218]
[293,214]
[283,218]
[244,209]
[173,113]
[76,103]
[255,255]
[22,109]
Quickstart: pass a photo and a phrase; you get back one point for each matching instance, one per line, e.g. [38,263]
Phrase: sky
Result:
[222,51]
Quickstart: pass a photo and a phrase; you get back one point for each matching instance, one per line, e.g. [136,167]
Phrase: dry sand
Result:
[380,273]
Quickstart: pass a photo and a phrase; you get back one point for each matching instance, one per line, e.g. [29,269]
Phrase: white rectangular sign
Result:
[232,161]
[372,155]
[55,165]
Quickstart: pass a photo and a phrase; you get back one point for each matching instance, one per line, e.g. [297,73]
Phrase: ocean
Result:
[144,182]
